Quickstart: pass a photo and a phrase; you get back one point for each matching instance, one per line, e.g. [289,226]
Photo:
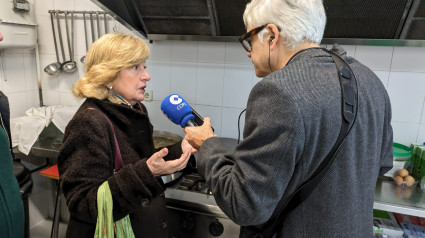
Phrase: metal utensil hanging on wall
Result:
[64,65]
[60,37]
[72,39]
[106,23]
[69,66]
[93,38]
[85,37]
[98,25]
[53,68]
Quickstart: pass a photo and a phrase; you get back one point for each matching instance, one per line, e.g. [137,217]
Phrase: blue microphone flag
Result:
[177,110]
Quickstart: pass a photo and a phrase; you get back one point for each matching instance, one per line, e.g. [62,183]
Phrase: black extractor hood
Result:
[368,22]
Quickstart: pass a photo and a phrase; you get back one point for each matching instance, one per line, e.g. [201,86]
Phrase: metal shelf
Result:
[394,198]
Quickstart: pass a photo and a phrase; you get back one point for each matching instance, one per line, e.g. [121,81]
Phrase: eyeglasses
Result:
[246,38]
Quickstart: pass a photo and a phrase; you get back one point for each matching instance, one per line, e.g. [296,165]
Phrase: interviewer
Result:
[293,119]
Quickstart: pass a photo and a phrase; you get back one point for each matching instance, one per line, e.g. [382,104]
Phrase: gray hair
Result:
[299,20]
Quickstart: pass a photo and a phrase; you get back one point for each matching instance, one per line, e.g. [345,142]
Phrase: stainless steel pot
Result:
[171,177]
[162,139]
[165,138]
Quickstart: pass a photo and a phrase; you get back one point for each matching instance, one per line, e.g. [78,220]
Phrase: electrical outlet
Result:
[148,95]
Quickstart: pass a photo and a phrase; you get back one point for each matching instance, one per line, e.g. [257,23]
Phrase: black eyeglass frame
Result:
[245,39]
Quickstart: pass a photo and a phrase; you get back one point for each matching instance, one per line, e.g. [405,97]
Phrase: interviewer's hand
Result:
[186,145]
[198,134]
[158,166]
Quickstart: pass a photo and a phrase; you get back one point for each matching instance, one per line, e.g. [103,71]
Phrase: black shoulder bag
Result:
[349,107]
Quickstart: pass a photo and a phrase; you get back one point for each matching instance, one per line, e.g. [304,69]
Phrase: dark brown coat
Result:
[86,160]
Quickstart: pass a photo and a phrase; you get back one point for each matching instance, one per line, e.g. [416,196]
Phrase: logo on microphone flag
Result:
[175,99]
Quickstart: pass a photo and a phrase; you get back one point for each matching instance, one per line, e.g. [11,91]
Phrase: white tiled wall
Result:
[214,77]
[18,80]
[221,88]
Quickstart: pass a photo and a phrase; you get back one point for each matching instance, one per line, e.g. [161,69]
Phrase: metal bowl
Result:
[162,139]
[165,138]
[171,177]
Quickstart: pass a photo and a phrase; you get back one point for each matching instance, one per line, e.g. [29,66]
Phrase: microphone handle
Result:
[191,123]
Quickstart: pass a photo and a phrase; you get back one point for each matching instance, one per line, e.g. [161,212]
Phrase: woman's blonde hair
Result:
[105,59]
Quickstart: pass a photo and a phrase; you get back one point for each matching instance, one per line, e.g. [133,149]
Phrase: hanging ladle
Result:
[69,66]
[106,24]
[85,36]
[98,25]
[60,38]
[53,68]
[92,28]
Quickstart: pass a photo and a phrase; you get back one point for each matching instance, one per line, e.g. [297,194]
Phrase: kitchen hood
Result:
[372,22]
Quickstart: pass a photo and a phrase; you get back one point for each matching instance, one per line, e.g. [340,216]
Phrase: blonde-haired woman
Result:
[112,121]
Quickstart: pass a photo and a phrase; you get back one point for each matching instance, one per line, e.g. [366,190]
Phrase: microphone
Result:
[178,111]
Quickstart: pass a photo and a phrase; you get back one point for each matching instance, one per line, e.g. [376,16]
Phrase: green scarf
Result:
[105,221]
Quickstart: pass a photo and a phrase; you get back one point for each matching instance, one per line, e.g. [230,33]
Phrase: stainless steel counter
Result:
[394,198]
[200,202]
[46,146]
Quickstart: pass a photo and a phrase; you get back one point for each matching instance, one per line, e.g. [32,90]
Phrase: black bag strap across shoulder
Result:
[349,107]
[118,159]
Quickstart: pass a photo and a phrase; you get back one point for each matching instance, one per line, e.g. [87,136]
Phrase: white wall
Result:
[19,79]
[214,77]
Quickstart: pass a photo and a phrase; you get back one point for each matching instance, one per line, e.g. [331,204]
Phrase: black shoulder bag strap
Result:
[349,107]
[118,159]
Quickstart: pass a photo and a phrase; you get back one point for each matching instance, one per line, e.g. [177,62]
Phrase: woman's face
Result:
[131,83]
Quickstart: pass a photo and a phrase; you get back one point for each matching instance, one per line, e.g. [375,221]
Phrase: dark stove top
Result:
[195,183]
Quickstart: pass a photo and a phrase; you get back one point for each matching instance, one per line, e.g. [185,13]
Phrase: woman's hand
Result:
[158,166]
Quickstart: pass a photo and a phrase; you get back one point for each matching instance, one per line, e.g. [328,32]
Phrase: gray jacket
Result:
[293,119]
